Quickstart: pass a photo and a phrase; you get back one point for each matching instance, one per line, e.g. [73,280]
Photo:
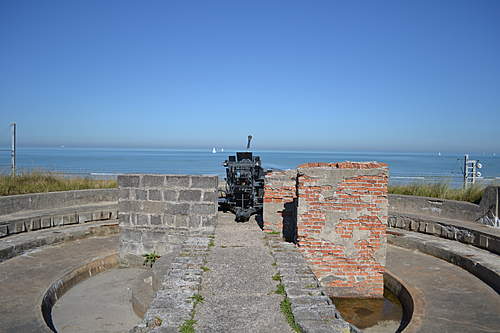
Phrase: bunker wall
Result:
[158,212]
[341,225]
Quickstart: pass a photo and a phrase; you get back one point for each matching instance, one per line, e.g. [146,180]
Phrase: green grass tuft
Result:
[197,298]
[273,232]
[38,182]
[277,277]
[205,268]
[187,326]
[211,243]
[280,289]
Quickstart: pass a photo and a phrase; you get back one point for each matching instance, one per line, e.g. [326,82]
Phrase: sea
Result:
[109,162]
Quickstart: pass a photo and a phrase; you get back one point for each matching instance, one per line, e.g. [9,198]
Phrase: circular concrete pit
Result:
[99,304]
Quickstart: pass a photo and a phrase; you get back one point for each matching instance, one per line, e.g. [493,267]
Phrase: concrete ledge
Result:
[27,221]
[18,244]
[480,263]
[475,234]
[313,310]
[173,302]
[66,282]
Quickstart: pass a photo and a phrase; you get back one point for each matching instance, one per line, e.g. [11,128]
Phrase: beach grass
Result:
[471,193]
[39,181]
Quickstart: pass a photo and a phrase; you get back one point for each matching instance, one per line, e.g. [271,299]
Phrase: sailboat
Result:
[214,150]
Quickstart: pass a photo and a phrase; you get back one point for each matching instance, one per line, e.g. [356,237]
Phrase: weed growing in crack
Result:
[197,298]
[150,258]
[286,309]
[280,289]
[187,326]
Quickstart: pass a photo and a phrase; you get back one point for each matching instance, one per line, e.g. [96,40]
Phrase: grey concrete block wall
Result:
[158,212]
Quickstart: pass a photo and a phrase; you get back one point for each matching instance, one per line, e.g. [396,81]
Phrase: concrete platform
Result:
[453,300]
[24,279]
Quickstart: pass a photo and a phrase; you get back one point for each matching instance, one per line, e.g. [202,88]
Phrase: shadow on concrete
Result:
[289,215]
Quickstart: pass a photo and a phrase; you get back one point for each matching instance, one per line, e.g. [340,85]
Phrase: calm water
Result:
[404,167]
[372,315]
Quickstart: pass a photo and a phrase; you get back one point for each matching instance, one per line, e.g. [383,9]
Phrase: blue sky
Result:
[331,75]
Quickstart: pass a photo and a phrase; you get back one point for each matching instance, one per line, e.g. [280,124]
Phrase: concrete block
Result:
[4,230]
[181,221]
[46,222]
[36,223]
[69,219]
[142,220]
[124,218]
[189,195]
[156,219]
[128,181]
[84,217]
[203,208]
[140,194]
[57,220]
[170,195]
[176,181]
[169,220]
[210,196]
[194,222]
[204,181]
[177,208]
[154,195]
[209,221]
[124,194]
[153,181]
[153,207]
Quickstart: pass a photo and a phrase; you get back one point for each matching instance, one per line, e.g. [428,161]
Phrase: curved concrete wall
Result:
[53,200]
[29,212]
[450,209]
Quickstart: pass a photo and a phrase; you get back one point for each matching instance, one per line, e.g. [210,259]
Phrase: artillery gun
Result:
[244,190]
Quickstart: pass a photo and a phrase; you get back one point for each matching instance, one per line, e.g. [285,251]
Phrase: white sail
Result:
[214,150]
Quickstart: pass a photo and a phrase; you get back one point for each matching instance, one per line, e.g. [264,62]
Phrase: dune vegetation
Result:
[471,193]
[35,182]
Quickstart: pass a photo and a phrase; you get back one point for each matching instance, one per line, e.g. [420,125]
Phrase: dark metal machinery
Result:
[244,185]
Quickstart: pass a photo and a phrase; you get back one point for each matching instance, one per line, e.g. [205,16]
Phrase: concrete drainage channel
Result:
[411,301]
[69,280]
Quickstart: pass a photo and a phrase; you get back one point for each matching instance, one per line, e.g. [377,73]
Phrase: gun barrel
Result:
[249,139]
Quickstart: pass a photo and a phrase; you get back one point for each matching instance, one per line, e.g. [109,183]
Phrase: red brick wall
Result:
[341,225]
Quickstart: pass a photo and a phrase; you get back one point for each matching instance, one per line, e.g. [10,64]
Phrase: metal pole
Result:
[465,170]
[13,149]
[497,218]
